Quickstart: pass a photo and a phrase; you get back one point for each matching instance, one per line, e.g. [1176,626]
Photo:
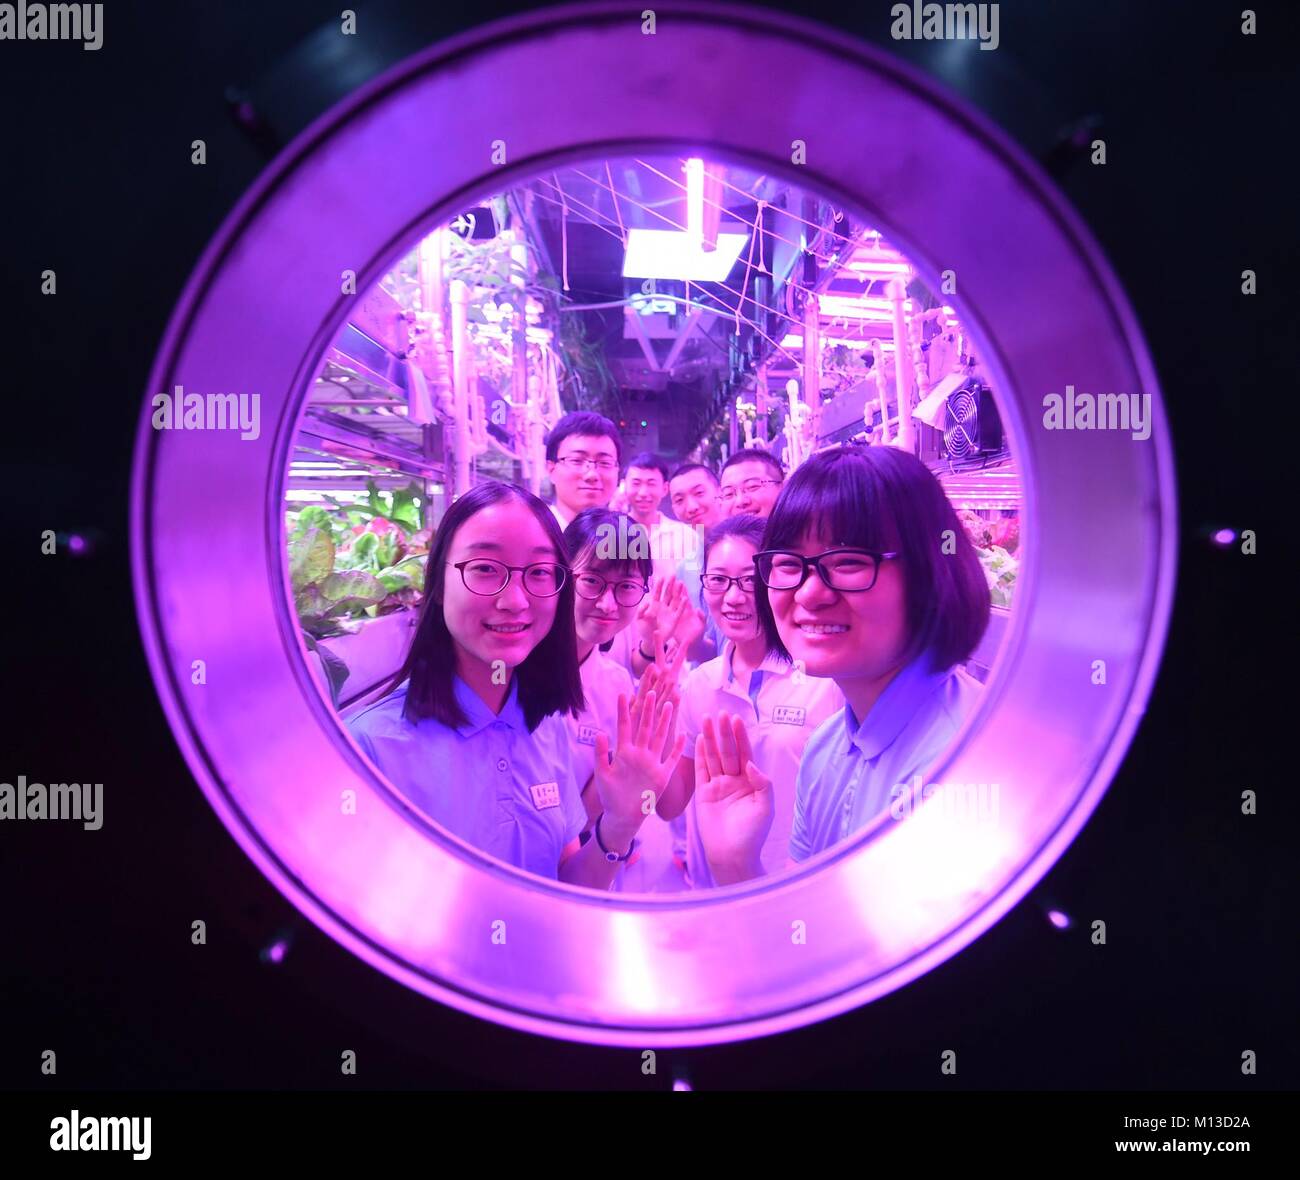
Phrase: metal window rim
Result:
[263,305]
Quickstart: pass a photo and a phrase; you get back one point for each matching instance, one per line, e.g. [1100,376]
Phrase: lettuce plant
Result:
[1000,569]
[325,597]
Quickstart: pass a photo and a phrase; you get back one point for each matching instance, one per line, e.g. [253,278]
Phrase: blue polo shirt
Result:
[850,767]
[508,792]
[781,711]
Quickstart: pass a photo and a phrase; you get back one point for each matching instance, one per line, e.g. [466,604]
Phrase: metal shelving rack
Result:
[358,425]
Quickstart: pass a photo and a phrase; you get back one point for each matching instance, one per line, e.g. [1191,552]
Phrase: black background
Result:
[98,964]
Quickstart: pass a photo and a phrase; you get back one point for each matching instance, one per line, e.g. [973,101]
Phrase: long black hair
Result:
[883,499]
[548,680]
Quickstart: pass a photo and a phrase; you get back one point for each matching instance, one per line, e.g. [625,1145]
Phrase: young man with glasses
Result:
[583,456]
[751,481]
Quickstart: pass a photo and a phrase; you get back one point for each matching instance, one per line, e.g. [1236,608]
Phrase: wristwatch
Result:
[612,857]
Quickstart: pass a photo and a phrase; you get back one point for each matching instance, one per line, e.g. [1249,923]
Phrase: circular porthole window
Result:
[268,317]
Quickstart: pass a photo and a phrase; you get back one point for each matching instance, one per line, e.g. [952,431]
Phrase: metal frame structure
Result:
[263,305]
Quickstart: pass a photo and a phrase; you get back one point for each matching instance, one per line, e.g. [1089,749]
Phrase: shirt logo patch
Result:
[788,715]
[587,735]
[545,795]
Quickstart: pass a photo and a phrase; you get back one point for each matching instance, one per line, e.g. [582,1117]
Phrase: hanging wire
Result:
[564,233]
[672,224]
[753,226]
[791,287]
[823,258]
[622,232]
[798,364]
[749,260]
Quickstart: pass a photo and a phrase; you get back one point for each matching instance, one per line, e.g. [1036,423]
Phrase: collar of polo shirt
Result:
[895,707]
[478,716]
[720,673]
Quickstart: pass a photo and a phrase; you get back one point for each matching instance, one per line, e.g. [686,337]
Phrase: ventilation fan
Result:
[962,410]
[961,430]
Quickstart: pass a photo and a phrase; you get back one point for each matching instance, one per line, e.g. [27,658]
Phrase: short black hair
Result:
[746,526]
[687,468]
[756,455]
[884,499]
[592,526]
[582,422]
[548,680]
[649,461]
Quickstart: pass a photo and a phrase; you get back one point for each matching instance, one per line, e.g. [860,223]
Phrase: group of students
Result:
[773,666]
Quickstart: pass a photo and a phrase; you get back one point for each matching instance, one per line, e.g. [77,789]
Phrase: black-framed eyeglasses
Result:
[626,592]
[581,463]
[486,575]
[720,583]
[848,570]
[749,487]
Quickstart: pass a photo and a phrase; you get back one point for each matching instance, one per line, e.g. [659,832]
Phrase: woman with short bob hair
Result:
[883,499]
[472,731]
[867,577]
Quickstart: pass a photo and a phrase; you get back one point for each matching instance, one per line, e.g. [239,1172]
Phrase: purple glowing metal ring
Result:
[354,192]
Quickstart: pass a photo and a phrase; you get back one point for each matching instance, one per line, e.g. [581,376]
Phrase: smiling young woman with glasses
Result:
[865,577]
[472,731]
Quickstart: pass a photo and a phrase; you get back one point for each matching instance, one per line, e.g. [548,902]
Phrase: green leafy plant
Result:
[401,506]
[1000,568]
[343,570]
[316,517]
[349,561]
[323,597]
[587,379]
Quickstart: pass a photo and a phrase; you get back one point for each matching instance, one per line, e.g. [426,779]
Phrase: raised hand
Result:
[684,623]
[733,799]
[645,753]
[667,624]
[651,607]
[660,679]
